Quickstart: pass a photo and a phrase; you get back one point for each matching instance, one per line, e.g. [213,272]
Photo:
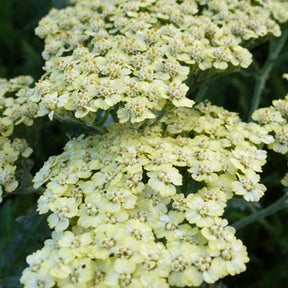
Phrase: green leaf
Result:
[6,11]
[21,234]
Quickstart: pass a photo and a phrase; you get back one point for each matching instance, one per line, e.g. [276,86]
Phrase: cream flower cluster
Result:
[10,152]
[135,56]
[15,109]
[15,104]
[145,208]
[275,120]
[279,9]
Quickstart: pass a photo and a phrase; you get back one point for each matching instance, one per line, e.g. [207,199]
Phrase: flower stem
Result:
[201,93]
[279,204]
[83,126]
[104,119]
[275,48]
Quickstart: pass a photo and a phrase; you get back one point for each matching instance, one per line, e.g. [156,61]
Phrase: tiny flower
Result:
[248,186]
[281,139]
[204,268]
[202,212]
[177,94]
[233,257]
[64,209]
[163,181]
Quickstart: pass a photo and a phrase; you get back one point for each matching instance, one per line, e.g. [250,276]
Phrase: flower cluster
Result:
[135,56]
[10,152]
[142,205]
[279,9]
[15,104]
[15,109]
[274,120]
[144,208]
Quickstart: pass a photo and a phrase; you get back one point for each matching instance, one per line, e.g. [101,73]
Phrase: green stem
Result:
[84,126]
[274,51]
[103,121]
[201,93]
[168,107]
[273,208]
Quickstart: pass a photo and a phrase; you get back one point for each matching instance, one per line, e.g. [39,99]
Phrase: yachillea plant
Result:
[139,201]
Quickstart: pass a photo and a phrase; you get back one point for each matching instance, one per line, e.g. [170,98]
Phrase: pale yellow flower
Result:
[248,186]
[163,181]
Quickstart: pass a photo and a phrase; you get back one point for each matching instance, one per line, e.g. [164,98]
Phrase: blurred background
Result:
[23,231]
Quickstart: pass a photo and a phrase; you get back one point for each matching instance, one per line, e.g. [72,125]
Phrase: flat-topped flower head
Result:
[96,50]
[120,208]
